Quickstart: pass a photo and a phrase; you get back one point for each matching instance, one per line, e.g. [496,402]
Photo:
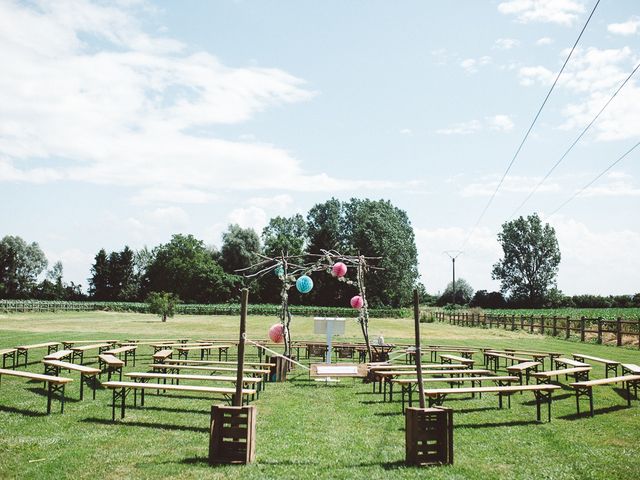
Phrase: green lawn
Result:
[305,430]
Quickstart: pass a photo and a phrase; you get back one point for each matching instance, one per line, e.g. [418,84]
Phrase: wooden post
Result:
[513,322]
[244,299]
[618,332]
[521,322]
[555,326]
[582,322]
[542,319]
[532,322]
[416,319]
[599,330]
[567,328]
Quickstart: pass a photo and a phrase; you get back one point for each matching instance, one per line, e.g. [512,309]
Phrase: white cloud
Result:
[593,75]
[500,123]
[561,12]
[506,43]
[277,202]
[486,186]
[75,262]
[616,184]
[472,65]
[406,131]
[138,111]
[602,262]
[250,217]
[544,41]
[630,27]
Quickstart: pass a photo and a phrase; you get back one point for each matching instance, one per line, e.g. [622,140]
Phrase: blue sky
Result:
[128,121]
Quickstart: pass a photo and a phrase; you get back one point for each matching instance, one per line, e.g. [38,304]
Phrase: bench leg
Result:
[123,398]
[81,386]
[113,406]
[49,394]
[62,400]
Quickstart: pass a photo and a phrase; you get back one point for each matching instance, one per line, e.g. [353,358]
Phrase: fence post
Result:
[599,330]
[542,319]
[582,322]
[555,326]
[484,321]
[521,322]
[618,332]
[513,322]
[568,328]
[532,322]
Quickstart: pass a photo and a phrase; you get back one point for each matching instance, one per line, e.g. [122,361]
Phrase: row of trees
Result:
[198,273]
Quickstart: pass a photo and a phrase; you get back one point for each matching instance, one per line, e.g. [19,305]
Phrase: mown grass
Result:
[305,429]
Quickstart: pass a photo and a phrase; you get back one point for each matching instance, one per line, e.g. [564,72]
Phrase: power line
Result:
[595,179]
[574,142]
[535,119]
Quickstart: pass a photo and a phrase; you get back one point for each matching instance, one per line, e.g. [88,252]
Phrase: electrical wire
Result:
[535,119]
[535,189]
[595,179]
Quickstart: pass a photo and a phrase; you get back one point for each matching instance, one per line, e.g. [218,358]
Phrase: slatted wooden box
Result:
[429,436]
[233,435]
[280,368]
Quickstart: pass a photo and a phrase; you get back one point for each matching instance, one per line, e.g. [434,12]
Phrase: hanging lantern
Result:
[357,302]
[339,270]
[276,333]
[304,284]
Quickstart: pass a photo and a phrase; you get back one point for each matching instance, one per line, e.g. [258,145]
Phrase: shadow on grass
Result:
[388,414]
[498,424]
[159,426]
[596,411]
[170,409]
[28,413]
[43,393]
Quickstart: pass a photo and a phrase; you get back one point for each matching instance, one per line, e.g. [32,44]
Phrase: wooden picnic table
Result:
[128,351]
[112,364]
[67,344]
[23,350]
[523,368]
[53,367]
[492,359]
[183,352]
[609,365]
[79,351]
[585,388]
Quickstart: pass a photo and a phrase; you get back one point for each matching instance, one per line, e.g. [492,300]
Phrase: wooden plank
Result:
[35,376]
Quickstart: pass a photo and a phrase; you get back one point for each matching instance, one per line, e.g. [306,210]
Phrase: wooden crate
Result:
[279,369]
[429,436]
[233,434]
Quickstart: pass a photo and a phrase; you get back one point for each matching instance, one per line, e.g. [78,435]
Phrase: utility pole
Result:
[453,254]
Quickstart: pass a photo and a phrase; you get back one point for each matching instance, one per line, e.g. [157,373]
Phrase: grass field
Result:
[304,430]
[604,313]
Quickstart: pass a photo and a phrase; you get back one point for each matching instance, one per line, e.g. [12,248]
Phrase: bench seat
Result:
[59,355]
[54,384]
[86,373]
[128,350]
[162,355]
[609,365]
[112,364]
[23,350]
[579,373]
[630,368]
[120,390]
[542,393]
[6,353]
[586,388]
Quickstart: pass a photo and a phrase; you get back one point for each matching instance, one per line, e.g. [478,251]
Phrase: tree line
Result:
[198,273]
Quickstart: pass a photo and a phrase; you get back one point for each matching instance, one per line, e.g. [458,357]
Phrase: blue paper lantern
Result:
[279,271]
[304,284]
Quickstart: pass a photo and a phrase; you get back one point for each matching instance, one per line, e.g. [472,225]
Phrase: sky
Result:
[124,122]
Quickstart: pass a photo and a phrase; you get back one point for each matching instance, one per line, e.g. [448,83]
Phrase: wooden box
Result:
[429,436]
[233,435]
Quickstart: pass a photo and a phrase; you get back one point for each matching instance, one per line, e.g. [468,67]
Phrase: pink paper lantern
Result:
[339,269]
[357,302]
[276,333]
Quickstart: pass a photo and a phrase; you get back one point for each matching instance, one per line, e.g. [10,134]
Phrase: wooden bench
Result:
[174,368]
[630,369]
[386,376]
[409,385]
[541,392]
[166,345]
[255,382]
[59,355]
[537,357]
[564,362]
[121,389]
[78,352]
[586,388]
[530,352]
[54,384]
[23,350]
[492,359]
[53,367]
[128,351]
[448,358]
[111,364]
[67,344]
[216,362]
[6,353]
[609,365]
[162,355]
[523,368]
[183,352]
[578,373]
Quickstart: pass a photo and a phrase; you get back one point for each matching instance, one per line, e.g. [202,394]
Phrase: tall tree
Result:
[463,294]
[378,229]
[239,248]
[186,267]
[288,235]
[531,259]
[20,265]
[99,280]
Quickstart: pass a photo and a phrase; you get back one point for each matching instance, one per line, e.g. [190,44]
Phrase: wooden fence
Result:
[614,331]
